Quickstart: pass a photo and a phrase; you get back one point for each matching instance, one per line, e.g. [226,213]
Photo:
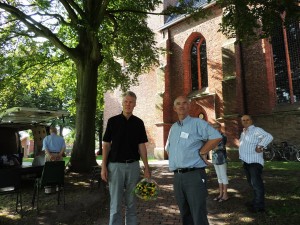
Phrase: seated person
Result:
[39,159]
[10,160]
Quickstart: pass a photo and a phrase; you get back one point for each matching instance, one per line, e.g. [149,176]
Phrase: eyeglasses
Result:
[245,120]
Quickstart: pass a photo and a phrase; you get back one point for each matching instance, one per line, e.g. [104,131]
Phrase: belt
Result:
[127,161]
[185,170]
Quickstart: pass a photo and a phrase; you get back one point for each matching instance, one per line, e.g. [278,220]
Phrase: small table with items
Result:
[29,171]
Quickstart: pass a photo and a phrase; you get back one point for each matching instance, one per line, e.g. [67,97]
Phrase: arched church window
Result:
[199,64]
[286,48]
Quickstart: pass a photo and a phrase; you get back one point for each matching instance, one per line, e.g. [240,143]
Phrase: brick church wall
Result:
[229,65]
[145,106]
[208,29]
[258,87]
[149,97]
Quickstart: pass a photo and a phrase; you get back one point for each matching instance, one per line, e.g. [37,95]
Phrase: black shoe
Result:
[249,204]
[256,210]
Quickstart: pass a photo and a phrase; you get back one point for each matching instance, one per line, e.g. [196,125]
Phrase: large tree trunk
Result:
[100,132]
[83,154]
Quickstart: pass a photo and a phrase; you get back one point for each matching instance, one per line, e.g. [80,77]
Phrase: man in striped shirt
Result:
[253,140]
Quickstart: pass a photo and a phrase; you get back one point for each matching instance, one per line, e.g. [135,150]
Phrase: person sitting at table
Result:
[54,146]
[39,159]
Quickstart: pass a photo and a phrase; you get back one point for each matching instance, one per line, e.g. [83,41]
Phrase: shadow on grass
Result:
[282,188]
[83,204]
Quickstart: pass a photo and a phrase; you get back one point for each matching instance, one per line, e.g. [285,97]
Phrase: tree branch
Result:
[101,11]
[163,13]
[69,5]
[38,28]
[57,16]
[114,21]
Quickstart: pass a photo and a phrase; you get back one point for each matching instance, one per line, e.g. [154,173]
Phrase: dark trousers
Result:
[191,193]
[253,173]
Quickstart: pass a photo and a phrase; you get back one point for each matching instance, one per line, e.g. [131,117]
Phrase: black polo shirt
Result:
[124,136]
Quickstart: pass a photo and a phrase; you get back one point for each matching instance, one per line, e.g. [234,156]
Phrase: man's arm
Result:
[143,154]
[209,145]
[168,142]
[213,139]
[47,151]
[266,139]
[105,151]
[63,148]
[61,152]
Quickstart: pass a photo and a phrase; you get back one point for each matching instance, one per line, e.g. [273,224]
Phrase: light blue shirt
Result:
[249,140]
[53,143]
[186,139]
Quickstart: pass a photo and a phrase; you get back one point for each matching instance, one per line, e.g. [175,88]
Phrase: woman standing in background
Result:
[219,157]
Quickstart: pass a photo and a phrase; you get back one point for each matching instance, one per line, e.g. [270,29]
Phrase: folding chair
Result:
[10,183]
[53,175]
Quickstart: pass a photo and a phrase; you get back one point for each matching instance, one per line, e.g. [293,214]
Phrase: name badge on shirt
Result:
[184,135]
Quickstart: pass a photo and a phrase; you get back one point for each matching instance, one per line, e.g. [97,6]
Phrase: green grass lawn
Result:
[27,159]
[274,165]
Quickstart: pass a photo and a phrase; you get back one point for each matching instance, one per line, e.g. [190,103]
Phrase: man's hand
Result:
[104,173]
[204,157]
[259,149]
[52,157]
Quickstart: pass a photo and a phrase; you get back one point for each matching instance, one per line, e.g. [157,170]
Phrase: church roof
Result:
[173,19]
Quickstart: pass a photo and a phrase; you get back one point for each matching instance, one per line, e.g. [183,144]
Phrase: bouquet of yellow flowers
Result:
[147,189]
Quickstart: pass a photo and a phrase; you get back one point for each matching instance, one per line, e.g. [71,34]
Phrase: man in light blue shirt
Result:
[189,141]
[54,146]
[252,142]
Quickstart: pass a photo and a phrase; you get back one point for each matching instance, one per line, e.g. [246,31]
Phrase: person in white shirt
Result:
[253,140]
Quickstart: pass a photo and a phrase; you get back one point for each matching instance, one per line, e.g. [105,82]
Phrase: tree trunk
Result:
[83,154]
[100,126]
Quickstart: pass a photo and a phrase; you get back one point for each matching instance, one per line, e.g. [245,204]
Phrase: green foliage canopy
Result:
[66,51]
[77,37]
[255,19]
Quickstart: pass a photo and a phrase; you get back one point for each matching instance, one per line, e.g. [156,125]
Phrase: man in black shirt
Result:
[123,145]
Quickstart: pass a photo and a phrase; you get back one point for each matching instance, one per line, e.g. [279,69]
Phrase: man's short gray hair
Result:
[53,129]
[129,93]
[182,96]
